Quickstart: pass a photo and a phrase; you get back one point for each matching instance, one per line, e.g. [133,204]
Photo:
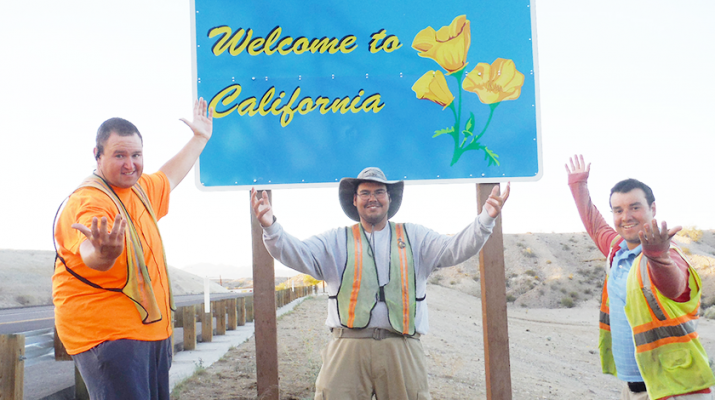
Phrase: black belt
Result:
[369,333]
[636,387]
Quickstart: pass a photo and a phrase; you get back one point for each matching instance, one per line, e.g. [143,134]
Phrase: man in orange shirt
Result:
[111,287]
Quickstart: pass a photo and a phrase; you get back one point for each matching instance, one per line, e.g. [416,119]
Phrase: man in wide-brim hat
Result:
[376,273]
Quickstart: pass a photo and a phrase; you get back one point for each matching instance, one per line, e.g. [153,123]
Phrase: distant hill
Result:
[216,271]
[26,279]
[543,270]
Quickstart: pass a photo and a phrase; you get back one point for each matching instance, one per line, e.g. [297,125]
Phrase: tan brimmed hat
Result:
[348,187]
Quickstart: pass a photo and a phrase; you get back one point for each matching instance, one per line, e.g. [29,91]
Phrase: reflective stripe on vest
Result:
[669,354]
[359,287]
[663,329]
[401,314]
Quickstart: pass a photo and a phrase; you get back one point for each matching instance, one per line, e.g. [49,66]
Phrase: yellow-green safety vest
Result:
[669,354]
[359,288]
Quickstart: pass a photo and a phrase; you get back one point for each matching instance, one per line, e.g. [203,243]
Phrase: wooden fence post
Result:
[207,324]
[12,366]
[241,306]
[249,309]
[80,388]
[60,351]
[188,317]
[220,317]
[232,317]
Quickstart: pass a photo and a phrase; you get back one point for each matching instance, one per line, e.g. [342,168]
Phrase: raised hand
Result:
[102,247]
[657,240]
[201,125]
[495,202]
[262,208]
[577,165]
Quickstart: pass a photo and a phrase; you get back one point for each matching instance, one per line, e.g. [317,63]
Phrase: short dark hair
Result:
[120,126]
[627,185]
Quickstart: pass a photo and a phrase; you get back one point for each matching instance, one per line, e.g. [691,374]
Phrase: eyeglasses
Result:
[379,194]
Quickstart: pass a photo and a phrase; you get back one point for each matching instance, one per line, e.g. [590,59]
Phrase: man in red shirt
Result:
[650,299]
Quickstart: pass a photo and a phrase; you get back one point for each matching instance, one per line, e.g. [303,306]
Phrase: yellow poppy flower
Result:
[496,82]
[448,46]
[432,86]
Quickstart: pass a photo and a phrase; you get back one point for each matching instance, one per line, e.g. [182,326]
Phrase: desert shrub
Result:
[530,272]
[548,261]
[574,295]
[686,250]
[520,244]
[691,232]
[587,291]
[510,298]
[476,277]
[435,279]
[541,292]
[567,302]
[572,240]
[565,247]
[452,282]
[563,290]
[527,252]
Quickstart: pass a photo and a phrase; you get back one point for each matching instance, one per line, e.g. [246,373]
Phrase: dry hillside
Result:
[543,270]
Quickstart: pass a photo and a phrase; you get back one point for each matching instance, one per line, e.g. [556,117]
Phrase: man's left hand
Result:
[495,202]
[654,240]
[201,125]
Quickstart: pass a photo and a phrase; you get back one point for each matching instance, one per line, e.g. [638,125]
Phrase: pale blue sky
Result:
[628,83]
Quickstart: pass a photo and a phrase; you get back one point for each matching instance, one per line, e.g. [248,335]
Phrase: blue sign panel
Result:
[308,92]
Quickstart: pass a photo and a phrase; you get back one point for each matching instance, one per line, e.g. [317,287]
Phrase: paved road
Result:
[16,320]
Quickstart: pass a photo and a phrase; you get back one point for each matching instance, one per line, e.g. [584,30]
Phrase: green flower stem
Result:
[492,107]
[474,143]
[456,135]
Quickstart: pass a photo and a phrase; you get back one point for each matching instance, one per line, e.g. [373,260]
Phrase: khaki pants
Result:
[355,369]
[626,394]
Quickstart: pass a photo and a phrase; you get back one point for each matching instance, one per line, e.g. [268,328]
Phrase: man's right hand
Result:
[102,248]
[577,165]
[262,208]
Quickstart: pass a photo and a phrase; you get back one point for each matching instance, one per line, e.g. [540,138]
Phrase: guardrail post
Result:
[220,317]
[241,306]
[232,317]
[60,351]
[80,388]
[249,309]
[188,317]
[179,318]
[207,325]
[12,366]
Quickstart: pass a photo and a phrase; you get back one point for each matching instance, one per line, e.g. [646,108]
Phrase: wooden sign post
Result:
[494,317]
[264,303]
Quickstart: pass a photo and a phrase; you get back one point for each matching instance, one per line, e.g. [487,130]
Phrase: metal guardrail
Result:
[39,346]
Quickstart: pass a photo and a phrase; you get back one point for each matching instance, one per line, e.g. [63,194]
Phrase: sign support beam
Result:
[494,313]
[264,303]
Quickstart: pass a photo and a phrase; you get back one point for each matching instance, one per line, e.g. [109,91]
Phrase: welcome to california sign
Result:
[308,92]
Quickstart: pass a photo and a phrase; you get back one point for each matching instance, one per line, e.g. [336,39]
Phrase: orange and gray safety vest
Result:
[360,290]
[669,354]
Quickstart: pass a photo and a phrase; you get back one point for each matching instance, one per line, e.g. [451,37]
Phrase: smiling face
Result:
[372,202]
[121,162]
[631,213]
